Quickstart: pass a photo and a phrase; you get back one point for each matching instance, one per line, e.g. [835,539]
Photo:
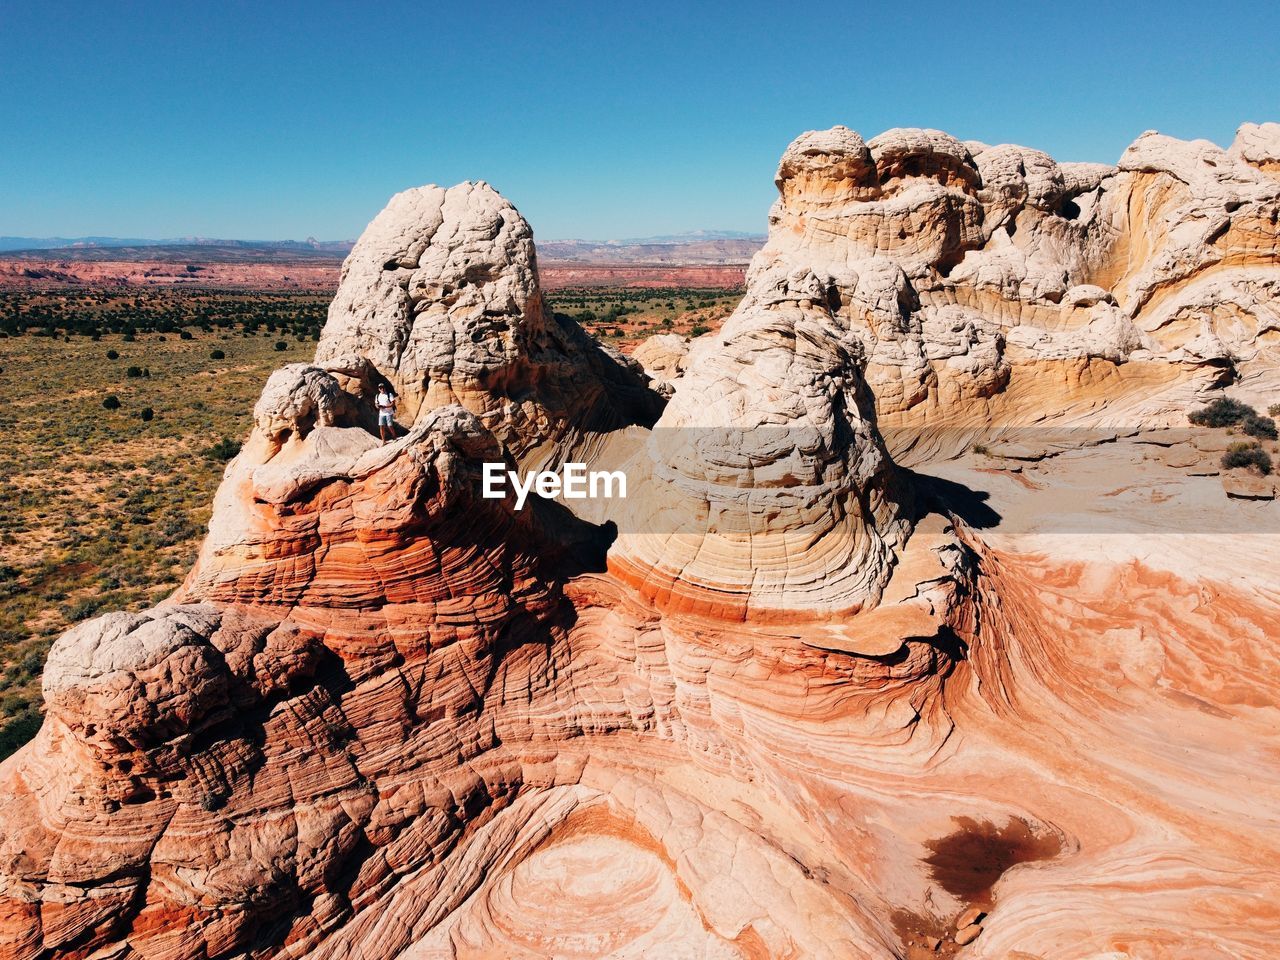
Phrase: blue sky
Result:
[273,120]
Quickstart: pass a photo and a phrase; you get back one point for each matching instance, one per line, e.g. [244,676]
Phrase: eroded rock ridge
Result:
[793,697]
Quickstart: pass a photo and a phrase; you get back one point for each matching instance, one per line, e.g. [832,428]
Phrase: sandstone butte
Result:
[828,683]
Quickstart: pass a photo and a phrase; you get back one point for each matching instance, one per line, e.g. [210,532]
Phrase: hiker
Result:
[386,402]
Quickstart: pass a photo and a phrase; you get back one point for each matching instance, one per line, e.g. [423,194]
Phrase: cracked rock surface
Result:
[823,685]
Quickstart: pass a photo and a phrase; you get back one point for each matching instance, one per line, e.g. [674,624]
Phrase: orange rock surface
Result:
[825,684]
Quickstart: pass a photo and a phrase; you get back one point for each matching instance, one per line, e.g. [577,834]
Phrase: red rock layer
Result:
[785,701]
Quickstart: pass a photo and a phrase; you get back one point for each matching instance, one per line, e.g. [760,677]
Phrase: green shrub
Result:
[1223,412]
[217,355]
[698,330]
[1247,455]
[147,414]
[1264,428]
[111,402]
[133,372]
[17,732]
[223,450]
[83,609]
[281,345]
[184,335]
[113,354]
[1273,410]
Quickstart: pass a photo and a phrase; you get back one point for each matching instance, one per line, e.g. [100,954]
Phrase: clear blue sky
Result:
[273,120]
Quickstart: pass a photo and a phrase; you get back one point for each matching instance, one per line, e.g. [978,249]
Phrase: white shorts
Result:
[385,418]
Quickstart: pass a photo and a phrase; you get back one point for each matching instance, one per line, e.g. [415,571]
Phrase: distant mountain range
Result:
[7,244]
[695,247]
[689,236]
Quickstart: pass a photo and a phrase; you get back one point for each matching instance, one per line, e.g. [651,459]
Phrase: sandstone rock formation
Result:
[440,295]
[818,687]
[987,284]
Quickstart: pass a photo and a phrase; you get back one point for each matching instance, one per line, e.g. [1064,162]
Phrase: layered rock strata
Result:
[794,696]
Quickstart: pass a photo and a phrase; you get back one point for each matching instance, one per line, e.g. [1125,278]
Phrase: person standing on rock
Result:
[386,401]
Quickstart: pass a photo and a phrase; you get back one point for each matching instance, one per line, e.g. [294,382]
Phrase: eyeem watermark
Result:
[575,482]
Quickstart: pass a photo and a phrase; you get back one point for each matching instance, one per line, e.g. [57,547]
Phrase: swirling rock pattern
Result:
[790,698]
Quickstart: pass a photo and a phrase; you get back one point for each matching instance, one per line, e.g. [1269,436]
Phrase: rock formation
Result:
[823,685]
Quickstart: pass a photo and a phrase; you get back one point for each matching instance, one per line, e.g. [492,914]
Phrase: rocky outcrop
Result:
[441,296]
[814,688]
[663,357]
[976,275]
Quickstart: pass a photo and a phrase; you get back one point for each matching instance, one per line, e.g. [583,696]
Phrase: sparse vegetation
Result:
[1250,456]
[1228,413]
[103,511]
[1264,428]
[222,451]
[627,316]
[133,313]
[1223,412]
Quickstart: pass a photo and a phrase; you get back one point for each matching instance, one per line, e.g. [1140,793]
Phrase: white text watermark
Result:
[573,482]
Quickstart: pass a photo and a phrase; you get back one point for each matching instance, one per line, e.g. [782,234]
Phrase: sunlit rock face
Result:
[987,283]
[440,294]
[812,689]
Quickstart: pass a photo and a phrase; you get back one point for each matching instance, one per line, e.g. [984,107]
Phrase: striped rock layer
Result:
[798,695]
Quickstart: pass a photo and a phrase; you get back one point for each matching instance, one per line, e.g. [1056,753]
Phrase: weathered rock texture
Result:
[441,296]
[789,698]
[994,285]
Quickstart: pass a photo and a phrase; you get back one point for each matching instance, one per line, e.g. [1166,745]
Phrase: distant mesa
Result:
[700,259]
[701,246]
[836,680]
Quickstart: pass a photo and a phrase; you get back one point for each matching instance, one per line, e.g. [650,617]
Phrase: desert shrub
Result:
[281,345]
[223,450]
[1264,428]
[1247,455]
[17,732]
[147,414]
[698,330]
[1223,412]
[113,354]
[133,372]
[1273,410]
[111,402]
[217,355]
[83,609]
[184,335]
